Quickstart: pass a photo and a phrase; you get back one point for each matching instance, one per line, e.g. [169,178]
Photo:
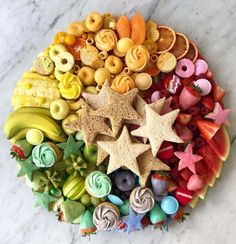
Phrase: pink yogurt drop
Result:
[201,67]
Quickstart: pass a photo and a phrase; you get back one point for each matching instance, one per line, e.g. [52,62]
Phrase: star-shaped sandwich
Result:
[97,100]
[44,200]
[119,108]
[158,128]
[123,152]
[90,125]
[70,147]
[26,167]
[219,115]
[148,163]
[188,159]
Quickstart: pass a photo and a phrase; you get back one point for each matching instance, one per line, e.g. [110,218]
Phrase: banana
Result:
[21,134]
[44,111]
[20,121]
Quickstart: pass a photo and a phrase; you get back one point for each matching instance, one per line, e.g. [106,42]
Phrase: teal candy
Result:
[169,205]
[115,200]
[87,220]
[157,215]
[124,208]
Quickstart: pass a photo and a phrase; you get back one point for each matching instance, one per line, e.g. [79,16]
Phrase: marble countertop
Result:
[27,26]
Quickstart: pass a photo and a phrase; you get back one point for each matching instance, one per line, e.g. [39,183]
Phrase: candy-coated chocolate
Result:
[115,200]
[184,68]
[169,205]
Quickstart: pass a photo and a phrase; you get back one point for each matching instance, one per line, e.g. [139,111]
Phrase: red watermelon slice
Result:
[220,143]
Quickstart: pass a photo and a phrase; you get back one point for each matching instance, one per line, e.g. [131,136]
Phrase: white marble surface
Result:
[27,26]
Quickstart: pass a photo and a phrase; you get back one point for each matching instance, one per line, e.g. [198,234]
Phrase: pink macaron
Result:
[201,67]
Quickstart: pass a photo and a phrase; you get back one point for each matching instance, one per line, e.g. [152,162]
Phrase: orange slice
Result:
[181,46]
[138,28]
[192,53]
[166,39]
[123,26]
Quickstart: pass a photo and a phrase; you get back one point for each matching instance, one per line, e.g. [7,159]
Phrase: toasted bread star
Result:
[123,152]
[147,163]
[97,100]
[158,128]
[91,125]
[119,108]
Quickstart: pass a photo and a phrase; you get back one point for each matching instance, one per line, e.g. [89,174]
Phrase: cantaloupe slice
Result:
[123,26]
[138,28]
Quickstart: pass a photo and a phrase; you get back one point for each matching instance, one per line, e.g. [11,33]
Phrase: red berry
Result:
[166,151]
[194,110]
[145,221]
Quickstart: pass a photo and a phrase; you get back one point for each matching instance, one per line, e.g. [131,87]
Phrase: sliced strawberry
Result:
[218,93]
[184,119]
[208,102]
[194,90]
[207,128]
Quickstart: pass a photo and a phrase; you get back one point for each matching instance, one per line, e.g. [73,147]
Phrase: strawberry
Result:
[159,183]
[184,119]
[180,216]
[183,196]
[21,150]
[186,81]
[145,221]
[218,93]
[207,128]
[208,102]
[184,132]
[194,89]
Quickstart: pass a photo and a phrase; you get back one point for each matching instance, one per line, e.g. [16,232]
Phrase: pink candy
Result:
[201,67]
[155,96]
[185,68]
[204,85]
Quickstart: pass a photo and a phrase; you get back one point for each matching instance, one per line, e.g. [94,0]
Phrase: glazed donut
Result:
[86,75]
[106,40]
[94,22]
[101,75]
[75,28]
[184,68]
[114,64]
[122,83]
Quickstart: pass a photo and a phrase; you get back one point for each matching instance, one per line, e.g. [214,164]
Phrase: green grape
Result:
[85,199]
[95,201]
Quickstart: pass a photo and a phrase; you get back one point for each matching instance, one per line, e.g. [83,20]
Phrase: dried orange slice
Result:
[181,46]
[192,53]
[166,39]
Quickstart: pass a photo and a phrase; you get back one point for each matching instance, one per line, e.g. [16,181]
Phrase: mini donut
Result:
[122,83]
[114,64]
[75,28]
[124,44]
[101,75]
[94,22]
[58,74]
[86,75]
[64,61]
[184,68]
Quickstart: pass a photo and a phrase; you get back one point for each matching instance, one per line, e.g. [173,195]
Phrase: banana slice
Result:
[64,61]
[55,50]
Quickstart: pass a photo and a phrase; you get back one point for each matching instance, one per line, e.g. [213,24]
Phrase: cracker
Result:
[123,152]
[158,128]
[89,54]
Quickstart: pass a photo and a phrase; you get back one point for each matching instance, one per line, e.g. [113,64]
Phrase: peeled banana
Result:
[18,121]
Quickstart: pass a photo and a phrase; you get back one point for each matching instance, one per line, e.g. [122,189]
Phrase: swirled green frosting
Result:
[98,184]
[44,155]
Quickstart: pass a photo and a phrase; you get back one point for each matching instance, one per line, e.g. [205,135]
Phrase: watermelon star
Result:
[188,159]
[44,199]
[219,115]
[26,167]
[70,147]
